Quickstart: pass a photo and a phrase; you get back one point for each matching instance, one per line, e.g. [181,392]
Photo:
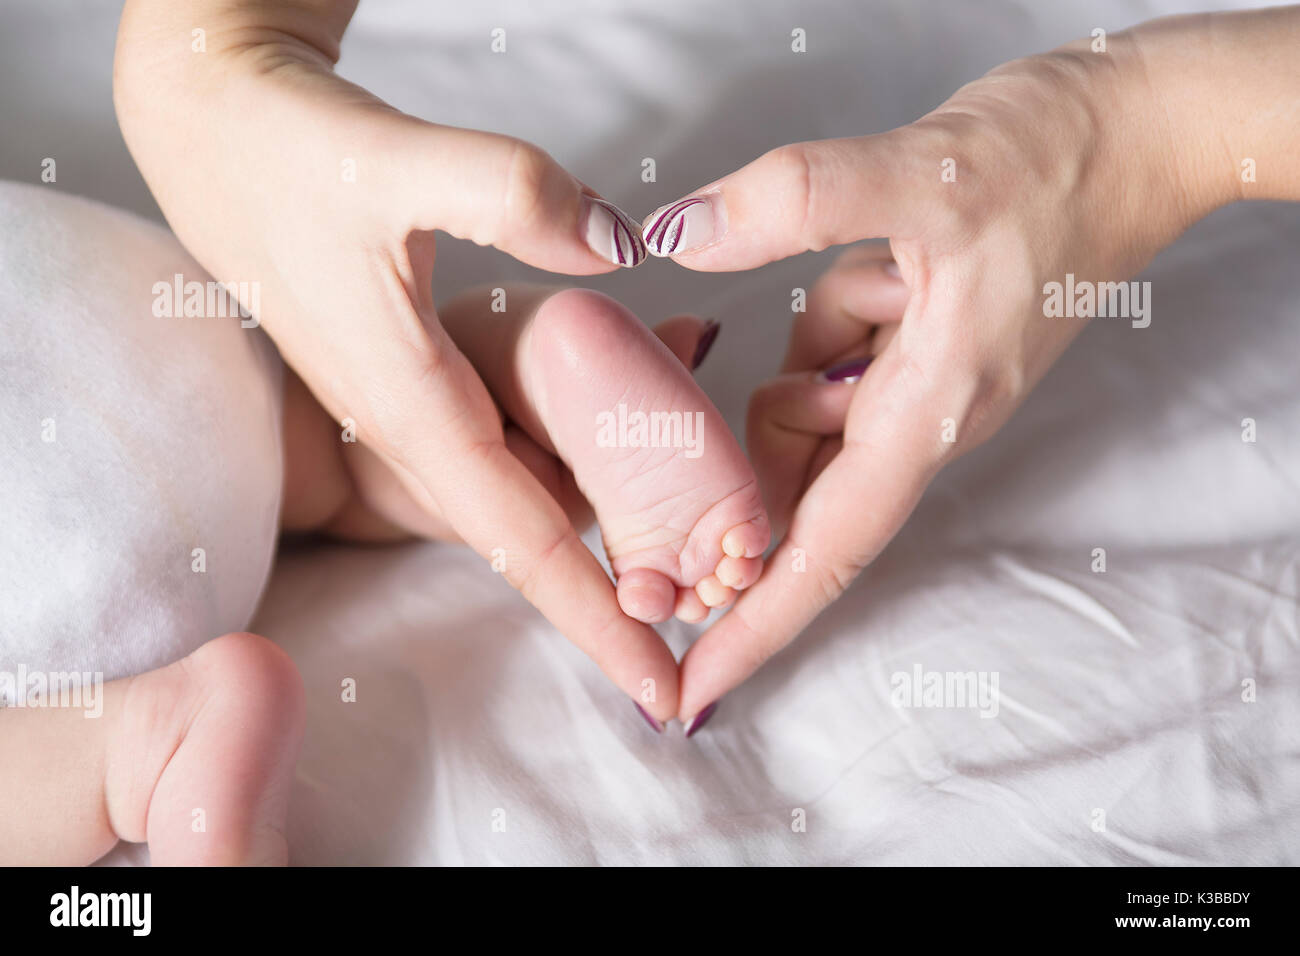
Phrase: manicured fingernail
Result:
[707,338]
[655,725]
[847,373]
[684,225]
[700,719]
[890,268]
[613,234]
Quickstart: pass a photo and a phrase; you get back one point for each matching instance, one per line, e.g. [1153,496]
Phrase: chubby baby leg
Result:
[335,484]
[196,758]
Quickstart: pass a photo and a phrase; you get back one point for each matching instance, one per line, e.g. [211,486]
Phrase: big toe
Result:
[646,595]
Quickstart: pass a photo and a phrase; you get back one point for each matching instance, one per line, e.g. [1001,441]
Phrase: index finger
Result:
[500,509]
[892,450]
[801,197]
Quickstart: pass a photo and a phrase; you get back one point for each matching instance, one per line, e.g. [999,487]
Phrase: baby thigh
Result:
[143,465]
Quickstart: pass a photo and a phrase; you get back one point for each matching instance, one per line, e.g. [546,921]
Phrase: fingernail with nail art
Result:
[846,373]
[655,725]
[699,720]
[684,225]
[707,338]
[613,234]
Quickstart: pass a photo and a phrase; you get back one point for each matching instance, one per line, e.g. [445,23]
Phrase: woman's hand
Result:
[1072,167]
[275,172]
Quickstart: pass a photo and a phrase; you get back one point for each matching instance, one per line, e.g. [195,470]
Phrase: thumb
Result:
[504,192]
[801,197]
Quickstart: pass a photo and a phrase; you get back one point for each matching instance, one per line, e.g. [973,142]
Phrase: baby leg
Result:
[347,490]
[142,479]
[196,757]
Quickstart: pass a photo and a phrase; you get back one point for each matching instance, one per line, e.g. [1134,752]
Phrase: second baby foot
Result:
[677,502]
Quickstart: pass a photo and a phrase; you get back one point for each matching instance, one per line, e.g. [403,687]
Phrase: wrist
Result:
[1162,61]
[1124,157]
[1223,89]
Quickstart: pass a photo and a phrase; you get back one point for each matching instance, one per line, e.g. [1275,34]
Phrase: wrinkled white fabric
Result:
[141,468]
[1121,735]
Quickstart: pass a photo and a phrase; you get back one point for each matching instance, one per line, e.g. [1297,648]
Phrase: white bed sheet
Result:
[1119,692]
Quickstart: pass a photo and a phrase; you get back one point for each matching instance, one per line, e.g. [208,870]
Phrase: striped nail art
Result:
[614,235]
[668,232]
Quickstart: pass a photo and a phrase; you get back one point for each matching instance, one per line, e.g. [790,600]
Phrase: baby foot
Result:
[214,737]
[676,499]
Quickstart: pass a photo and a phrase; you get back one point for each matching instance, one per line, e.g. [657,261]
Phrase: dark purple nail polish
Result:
[707,338]
[655,725]
[700,719]
[847,372]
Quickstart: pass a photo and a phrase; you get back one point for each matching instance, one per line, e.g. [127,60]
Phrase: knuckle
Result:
[957,217]
[953,212]
[795,167]
[757,643]
[528,171]
[527,577]
[1003,385]
[997,392]
[977,394]
[832,579]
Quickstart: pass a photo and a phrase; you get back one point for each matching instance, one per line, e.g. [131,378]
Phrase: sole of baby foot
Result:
[675,497]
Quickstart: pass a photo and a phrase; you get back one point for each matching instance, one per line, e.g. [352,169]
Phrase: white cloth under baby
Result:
[141,466]
[1121,693]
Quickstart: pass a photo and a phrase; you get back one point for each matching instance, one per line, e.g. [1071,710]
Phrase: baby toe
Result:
[646,595]
[738,573]
[748,540]
[690,609]
[713,592]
